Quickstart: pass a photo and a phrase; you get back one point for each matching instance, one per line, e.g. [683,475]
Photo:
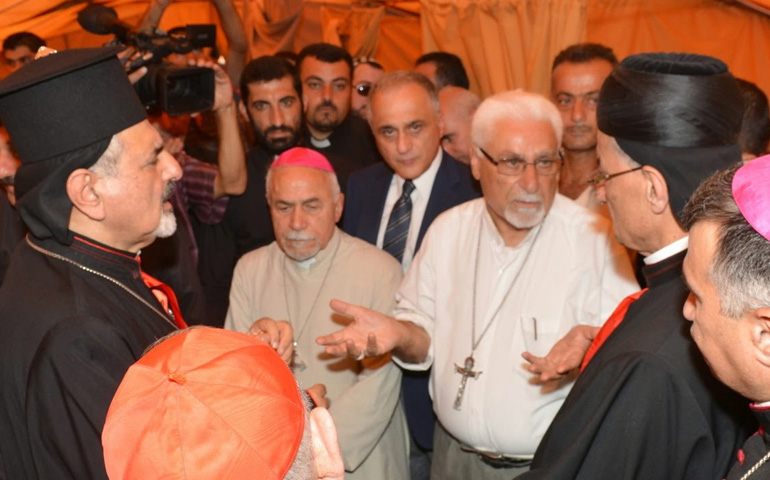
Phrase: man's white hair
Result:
[516,105]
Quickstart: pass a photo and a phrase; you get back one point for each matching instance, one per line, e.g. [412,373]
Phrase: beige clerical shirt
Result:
[364,395]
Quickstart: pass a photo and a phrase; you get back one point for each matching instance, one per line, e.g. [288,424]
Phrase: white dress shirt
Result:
[423,185]
[575,273]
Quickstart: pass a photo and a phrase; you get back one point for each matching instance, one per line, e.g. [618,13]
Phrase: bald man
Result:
[457,107]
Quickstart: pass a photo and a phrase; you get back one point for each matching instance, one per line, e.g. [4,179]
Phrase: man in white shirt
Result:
[499,275]
[666,121]
[381,209]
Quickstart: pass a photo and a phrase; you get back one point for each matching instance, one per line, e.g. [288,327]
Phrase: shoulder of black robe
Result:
[646,407]
[353,141]
[755,449]
[12,231]
[68,338]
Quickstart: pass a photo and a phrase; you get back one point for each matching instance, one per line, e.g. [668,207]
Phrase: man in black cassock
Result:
[77,309]
[645,405]
[728,275]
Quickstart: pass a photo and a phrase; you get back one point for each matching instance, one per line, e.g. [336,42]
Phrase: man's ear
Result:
[657,190]
[82,193]
[760,334]
[326,449]
[475,162]
[339,207]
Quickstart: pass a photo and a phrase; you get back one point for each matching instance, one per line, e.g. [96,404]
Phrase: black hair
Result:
[449,69]
[266,69]
[755,126]
[26,39]
[326,53]
[584,53]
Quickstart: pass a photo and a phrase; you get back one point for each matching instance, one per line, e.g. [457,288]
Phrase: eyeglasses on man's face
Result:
[515,166]
[599,177]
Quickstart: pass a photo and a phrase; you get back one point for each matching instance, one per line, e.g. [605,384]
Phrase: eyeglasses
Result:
[364,88]
[9,180]
[599,177]
[516,166]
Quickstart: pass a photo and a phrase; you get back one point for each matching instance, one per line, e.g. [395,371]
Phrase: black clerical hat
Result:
[61,112]
[680,113]
[66,101]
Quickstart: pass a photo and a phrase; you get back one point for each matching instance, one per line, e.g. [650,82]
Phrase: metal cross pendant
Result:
[466,371]
[297,364]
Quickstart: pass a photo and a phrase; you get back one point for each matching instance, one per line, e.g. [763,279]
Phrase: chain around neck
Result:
[475,342]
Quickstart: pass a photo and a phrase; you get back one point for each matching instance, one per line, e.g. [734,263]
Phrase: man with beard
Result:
[77,309]
[576,77]
[493,277]
[326,71]
[271,100]
[666,122]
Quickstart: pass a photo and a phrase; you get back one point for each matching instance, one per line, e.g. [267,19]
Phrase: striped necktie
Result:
[398,223]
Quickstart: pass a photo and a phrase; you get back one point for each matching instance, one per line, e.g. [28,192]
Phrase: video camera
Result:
[176,90]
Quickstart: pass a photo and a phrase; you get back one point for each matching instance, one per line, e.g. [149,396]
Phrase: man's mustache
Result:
[168,191]
[279,128]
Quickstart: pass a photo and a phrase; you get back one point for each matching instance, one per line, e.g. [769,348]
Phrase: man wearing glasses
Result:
[645,405]
[495,277]
[366,73]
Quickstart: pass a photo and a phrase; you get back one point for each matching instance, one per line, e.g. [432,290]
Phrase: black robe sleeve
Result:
[71,382]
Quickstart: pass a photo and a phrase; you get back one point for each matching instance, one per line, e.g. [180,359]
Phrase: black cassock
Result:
[756,448]
[67,337]
[646,407]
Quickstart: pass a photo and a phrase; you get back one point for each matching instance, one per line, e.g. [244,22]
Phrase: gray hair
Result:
[303,466]
[107,164]
[740,269]
[405,77]
[516,105]
[335,184]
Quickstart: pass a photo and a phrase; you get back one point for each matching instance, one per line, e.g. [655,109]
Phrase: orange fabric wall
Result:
[732,32]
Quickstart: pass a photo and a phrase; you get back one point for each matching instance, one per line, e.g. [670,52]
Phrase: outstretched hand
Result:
[565,356]
[369,334]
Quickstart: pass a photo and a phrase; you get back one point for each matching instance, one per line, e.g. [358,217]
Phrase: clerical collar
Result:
[321,257]
[669,250]
[424,183]
[325,143]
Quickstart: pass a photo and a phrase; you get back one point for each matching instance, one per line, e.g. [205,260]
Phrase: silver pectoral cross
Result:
[297,364]
[466,371]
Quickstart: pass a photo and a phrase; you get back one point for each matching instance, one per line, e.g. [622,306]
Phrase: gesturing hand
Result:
[565,356]
[370,333]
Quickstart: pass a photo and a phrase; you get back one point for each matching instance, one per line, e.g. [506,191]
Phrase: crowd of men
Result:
[453,282]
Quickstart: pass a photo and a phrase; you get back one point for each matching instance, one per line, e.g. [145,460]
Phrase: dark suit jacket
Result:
[364,203]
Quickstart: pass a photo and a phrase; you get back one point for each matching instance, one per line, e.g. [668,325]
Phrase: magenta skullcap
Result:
[752,195]
[303,157]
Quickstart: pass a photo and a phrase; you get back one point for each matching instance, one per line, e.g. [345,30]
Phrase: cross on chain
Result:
[466,371]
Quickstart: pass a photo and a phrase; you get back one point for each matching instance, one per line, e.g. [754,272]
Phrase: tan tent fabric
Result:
[271,25]
[734,33]
[504,44]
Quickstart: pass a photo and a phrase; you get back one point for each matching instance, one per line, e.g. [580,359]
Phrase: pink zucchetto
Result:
[303,157]
[752,195]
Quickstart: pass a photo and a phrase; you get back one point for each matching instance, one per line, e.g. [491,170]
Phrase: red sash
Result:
[166,297]
[609,326]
